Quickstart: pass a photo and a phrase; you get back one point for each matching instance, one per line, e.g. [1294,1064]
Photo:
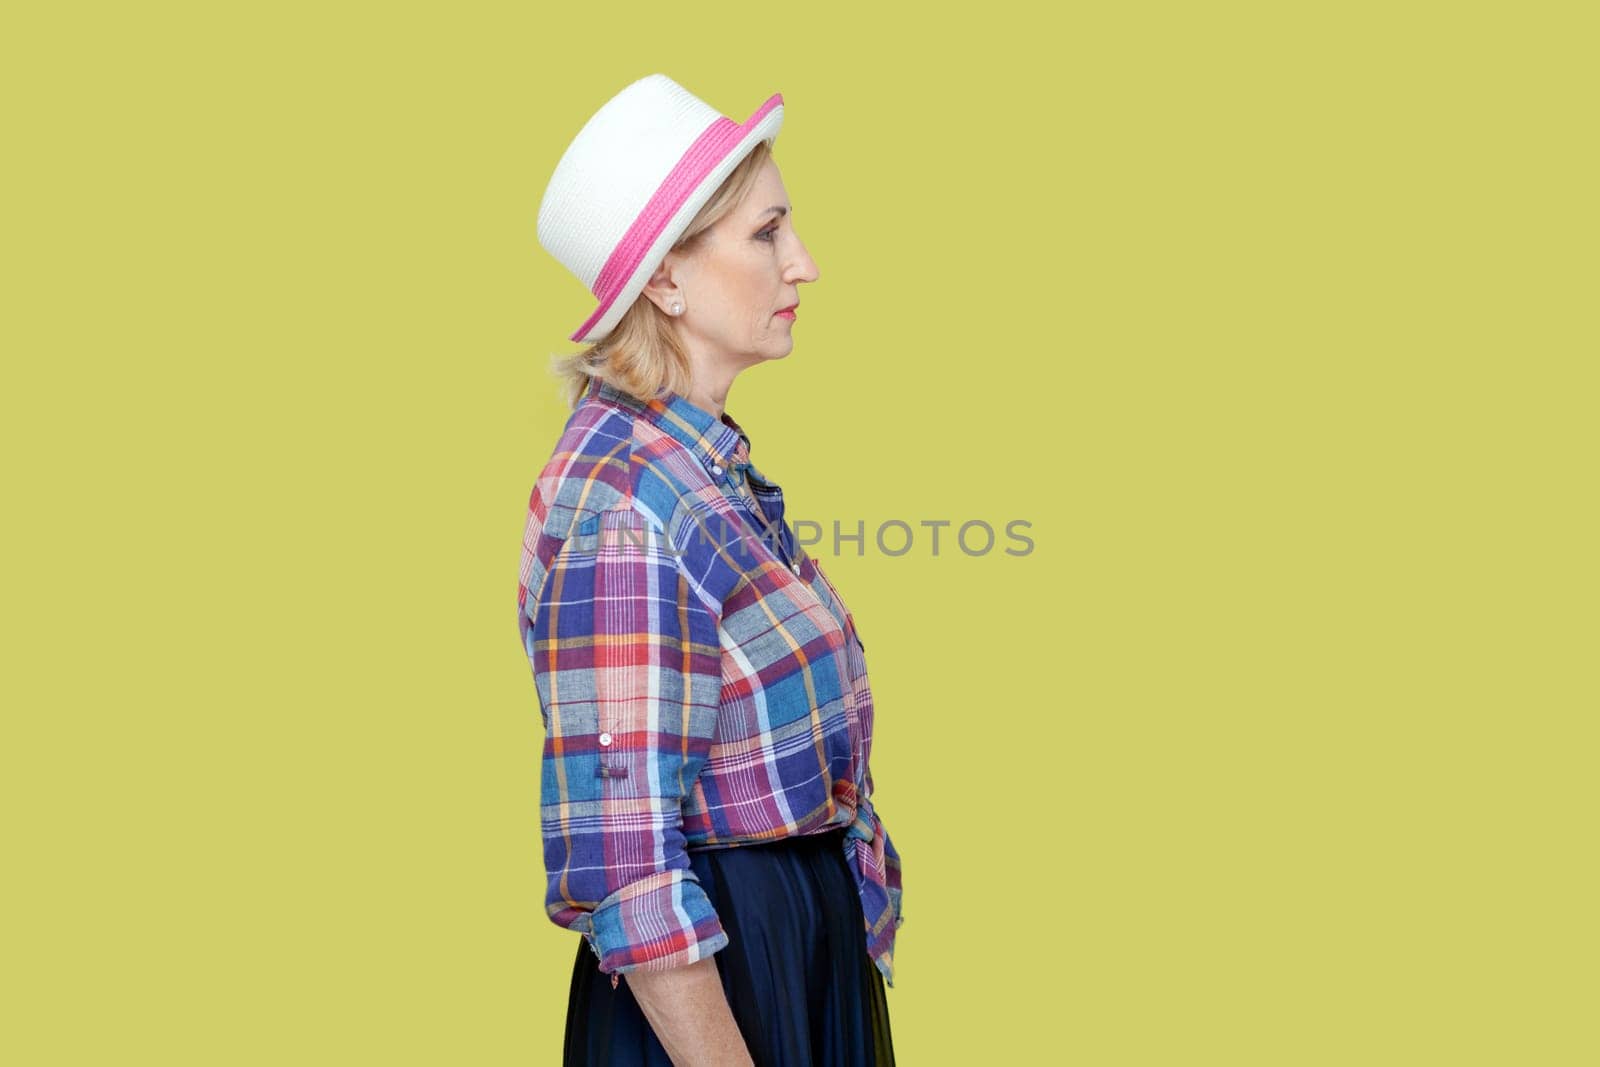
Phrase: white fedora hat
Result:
[631,182]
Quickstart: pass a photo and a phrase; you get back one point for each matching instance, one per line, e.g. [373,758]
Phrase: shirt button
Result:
[605,739]
[716,469]
[795,566]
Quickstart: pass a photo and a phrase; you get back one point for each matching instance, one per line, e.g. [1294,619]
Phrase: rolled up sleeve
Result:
[627,663]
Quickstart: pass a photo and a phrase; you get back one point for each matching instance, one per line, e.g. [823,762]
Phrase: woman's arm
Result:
[627,659]
[689,1013]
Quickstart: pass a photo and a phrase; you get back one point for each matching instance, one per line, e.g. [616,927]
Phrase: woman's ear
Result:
[662,288]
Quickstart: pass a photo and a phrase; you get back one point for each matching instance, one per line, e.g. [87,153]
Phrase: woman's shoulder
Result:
[608,459]
[590,468]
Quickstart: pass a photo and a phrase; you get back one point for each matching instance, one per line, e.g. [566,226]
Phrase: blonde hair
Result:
[642,355]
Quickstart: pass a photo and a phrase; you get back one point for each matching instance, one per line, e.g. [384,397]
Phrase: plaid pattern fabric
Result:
[701,682]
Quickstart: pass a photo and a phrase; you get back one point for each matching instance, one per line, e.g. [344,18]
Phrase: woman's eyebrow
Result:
[782,211]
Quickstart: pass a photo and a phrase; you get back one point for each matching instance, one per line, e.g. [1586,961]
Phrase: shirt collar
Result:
[715,442]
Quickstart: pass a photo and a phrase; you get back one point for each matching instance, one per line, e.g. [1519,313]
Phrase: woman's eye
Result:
[767,233]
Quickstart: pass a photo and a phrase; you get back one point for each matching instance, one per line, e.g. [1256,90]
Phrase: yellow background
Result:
[1276,321]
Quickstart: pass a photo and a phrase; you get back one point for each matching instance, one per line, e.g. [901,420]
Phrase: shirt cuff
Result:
[656,923]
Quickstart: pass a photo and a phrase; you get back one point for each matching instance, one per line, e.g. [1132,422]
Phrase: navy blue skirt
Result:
[795,970]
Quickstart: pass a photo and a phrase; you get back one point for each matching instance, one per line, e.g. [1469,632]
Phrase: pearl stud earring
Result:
[677,309]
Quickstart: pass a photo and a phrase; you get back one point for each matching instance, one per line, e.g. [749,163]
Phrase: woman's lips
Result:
[789,313]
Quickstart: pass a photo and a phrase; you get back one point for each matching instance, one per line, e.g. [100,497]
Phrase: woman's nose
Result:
[804,268]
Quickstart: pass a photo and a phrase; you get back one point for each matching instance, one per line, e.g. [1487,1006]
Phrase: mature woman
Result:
[706,796]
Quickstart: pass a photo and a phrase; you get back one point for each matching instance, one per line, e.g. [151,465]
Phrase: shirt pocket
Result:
[832,592]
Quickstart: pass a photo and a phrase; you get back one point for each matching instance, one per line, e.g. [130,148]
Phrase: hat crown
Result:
[612,168]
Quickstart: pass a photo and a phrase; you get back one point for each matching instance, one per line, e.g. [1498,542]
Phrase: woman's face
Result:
[748,268]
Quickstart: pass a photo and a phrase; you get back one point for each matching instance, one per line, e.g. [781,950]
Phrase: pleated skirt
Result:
[795,970]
